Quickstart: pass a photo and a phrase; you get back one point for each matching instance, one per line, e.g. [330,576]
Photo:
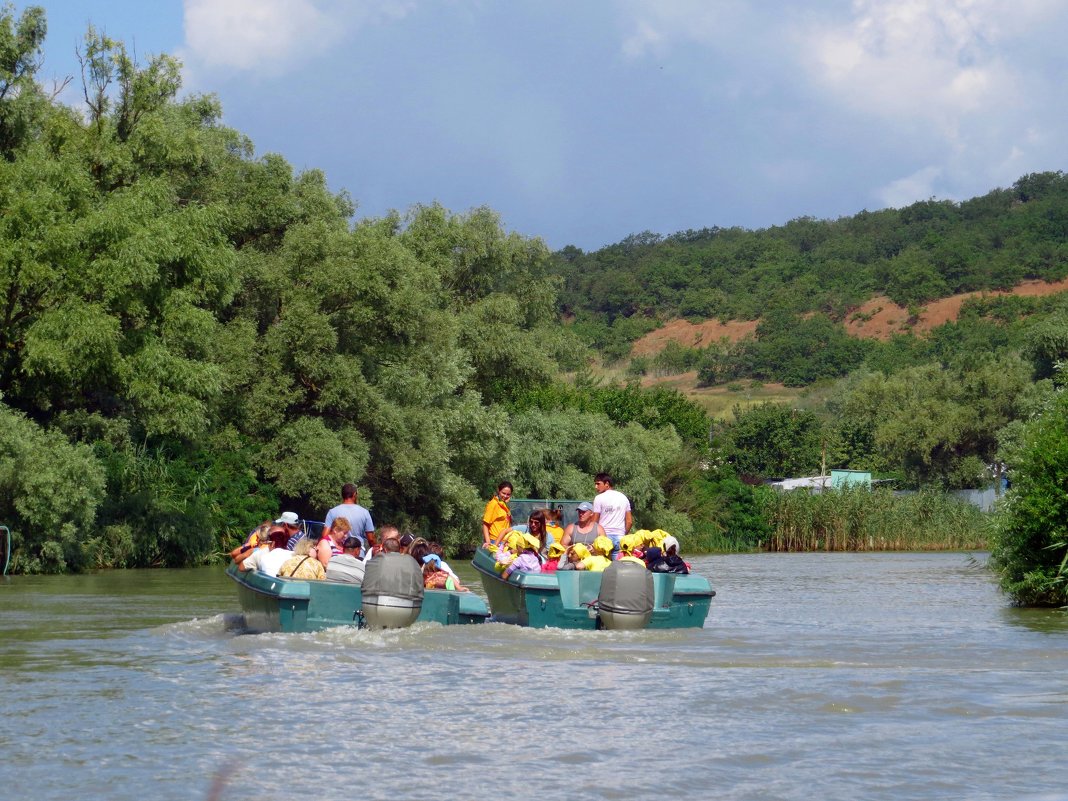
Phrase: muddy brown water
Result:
[816,676]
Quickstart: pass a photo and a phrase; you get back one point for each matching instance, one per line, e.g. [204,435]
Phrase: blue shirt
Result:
[358,517]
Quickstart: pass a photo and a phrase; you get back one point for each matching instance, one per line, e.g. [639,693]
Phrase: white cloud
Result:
[918,186]
[656,25]
[270,36]
[927,61]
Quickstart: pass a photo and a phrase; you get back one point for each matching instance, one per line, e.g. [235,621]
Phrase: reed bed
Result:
[859,519]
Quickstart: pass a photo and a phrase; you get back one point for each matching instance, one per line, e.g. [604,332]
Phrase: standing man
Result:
[611,508]
[497,518]
[358,517]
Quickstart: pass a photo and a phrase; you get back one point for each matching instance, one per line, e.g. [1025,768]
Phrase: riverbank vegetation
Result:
[194,336]
[859,519]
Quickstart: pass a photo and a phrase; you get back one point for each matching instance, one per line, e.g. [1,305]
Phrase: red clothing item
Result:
[549,566]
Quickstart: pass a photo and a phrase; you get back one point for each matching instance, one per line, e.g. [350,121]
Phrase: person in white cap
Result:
[291,524]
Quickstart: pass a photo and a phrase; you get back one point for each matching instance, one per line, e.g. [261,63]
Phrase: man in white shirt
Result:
[266,559]
[611,508]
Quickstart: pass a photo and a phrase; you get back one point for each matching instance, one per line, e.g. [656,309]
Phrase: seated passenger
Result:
[655,537]
[438,551]
[574,558]
[674,562]
[302,564]
[586,529]
[630,549]
[290,532]
[552,525]
[508,550]
[256,537]
[537,524]
[347,566]
[265,558]
[556,552]
[600,556]
[380,536]
[654,560]
[434,578]
[330,543]
[528,560]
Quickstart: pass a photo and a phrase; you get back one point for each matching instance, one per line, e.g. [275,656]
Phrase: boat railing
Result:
[5,539]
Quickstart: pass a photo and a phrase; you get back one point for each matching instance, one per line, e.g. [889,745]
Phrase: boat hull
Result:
[296,605]
[567,599]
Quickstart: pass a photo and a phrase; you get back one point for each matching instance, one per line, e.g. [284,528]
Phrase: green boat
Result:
[625,596]
[297,605]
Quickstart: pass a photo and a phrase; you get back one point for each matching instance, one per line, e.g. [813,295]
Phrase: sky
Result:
[585,122]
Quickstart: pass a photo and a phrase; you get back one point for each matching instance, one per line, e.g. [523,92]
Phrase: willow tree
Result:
[1031,546]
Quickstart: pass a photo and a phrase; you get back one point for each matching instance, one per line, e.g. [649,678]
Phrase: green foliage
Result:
[192,336]
[725,514]
[925,251]
[937,426]
[172,506]
[49,494]
[859,519]
[1047,344]
[562,451]
[22,103]
[775,441]
[787,348]
[1030,550]
[630,403]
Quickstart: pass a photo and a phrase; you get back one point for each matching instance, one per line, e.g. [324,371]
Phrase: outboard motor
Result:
[626,597]
[392,591]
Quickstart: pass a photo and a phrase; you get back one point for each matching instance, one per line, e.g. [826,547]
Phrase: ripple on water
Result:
[816,677]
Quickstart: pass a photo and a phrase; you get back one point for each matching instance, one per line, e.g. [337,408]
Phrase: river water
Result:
[816,676]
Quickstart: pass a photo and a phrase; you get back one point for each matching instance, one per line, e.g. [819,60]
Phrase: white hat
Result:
[668,542]
[288,519]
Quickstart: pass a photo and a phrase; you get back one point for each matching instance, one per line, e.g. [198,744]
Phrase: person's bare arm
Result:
[630,522]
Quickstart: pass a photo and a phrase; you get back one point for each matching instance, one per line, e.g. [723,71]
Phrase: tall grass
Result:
[859,519]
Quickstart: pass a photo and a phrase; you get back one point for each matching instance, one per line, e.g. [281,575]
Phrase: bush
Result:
[49,493]
[1031,535]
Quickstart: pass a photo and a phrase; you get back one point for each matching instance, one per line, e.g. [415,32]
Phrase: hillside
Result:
[878,318]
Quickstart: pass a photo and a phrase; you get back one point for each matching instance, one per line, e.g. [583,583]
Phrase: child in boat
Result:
[671,556]
[630,548]
[552,525]
[600,556]
[573,559]
[654,560]
[528,560]
[556,551]
[507,551]
[434,578]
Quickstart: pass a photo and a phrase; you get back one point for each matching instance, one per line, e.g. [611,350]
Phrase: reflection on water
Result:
[821,676]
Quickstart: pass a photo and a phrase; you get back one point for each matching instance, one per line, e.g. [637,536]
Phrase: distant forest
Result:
[804,278]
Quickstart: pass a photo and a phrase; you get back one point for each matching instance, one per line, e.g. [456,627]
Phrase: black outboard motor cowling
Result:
[626,598]
[392,591]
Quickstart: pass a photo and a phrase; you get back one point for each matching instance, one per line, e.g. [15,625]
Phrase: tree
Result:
[774,440]
[1030,551]
[49,493]
[21,100]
